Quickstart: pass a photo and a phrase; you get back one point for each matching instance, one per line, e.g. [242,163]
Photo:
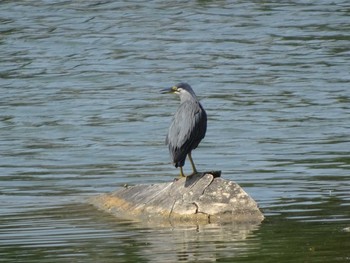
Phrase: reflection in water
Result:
[203,243]
[96,231]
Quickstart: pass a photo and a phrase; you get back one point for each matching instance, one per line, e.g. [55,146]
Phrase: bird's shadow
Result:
[193,178]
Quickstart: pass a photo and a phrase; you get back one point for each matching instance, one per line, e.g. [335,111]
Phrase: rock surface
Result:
[204,198]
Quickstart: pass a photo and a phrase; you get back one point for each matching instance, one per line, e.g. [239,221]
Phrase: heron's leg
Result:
[192,163]
[181,172]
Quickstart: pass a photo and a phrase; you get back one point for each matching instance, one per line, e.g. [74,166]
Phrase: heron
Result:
[187,128]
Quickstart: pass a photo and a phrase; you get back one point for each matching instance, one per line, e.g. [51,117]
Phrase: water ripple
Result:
[81,114]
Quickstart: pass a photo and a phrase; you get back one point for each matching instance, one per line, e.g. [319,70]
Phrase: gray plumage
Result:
[188,126]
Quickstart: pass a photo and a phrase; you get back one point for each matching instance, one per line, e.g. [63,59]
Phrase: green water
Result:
[81,114]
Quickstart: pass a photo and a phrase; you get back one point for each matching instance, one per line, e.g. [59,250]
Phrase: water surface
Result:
[81,114]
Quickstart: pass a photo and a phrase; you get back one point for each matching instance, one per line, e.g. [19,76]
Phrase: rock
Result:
[203,197]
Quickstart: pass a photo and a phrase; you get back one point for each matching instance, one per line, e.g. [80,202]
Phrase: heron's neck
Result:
[188,97]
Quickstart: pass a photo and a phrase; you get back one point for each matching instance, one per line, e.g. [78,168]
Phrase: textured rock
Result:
[204,198]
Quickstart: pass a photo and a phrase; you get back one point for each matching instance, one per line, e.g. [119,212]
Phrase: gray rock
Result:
[204,198]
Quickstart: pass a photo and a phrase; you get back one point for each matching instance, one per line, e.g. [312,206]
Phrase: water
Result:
[81,114]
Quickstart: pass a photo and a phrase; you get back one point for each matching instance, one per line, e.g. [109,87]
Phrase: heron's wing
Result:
[187,130]
[200,126]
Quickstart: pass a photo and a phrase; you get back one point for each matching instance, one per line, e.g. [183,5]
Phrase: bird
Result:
[187,128]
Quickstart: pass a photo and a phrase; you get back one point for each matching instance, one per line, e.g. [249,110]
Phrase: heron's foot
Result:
[182,175]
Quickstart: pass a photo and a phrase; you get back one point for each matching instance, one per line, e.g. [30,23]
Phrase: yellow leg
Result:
[192,163]
[181,172]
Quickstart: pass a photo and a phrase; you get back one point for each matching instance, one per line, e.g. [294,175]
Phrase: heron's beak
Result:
[171,90]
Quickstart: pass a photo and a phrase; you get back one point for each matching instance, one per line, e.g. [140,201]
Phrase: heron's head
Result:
[183,89]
